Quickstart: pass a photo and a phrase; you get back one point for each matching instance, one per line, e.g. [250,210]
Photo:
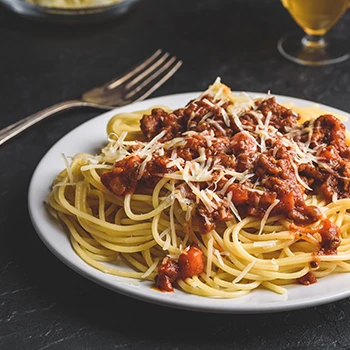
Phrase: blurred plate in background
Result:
[68,15]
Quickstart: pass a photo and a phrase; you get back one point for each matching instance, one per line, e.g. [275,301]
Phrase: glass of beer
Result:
[316,18]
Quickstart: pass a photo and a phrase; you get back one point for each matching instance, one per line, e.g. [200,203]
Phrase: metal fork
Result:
[133,86]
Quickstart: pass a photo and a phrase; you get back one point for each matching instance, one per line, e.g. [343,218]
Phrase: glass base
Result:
[311,51]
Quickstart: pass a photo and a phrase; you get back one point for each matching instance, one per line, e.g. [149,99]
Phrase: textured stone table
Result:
[44,304]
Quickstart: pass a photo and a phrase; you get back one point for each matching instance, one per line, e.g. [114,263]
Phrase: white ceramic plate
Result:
[90,137]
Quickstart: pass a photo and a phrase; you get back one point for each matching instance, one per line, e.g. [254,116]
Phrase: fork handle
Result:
[16,128]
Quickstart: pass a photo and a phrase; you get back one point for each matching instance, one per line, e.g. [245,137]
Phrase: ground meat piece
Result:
[344,180]
[336,175]
[278,175]
[207,219]
[330,154]
[191,148]
[123,178]
[329,130]
[217,126]
[244,147]
[248,120]
[197,109]
[174,123]
[330,234]
[291,201]
[280,116]
[307,279]
[191,262]
[345,153]
[152,124]
[345,170]
[303,214]
[223,212]
[250,202]
[219,149]
[329,187]
[125,175]
[267,165]
[154,171]
[204,115]
[243,142]
[168,272]
[258,203]
[239,192]
[335,184]
[310,171]
[204,223]
[164,283]
[228,161]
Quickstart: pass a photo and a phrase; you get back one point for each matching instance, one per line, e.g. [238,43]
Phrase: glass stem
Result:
[314,41]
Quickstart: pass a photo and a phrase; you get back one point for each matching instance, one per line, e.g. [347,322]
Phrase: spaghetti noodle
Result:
[218,198]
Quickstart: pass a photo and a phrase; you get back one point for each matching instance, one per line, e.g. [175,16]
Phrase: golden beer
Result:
[316,17]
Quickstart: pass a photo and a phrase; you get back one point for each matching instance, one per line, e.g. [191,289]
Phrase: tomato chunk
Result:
[191,262]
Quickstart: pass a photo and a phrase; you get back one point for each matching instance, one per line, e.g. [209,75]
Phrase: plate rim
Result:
[216,305]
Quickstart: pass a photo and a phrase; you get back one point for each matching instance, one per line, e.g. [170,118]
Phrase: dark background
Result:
[44,304]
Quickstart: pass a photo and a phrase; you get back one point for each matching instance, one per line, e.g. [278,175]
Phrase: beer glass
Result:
[316,18]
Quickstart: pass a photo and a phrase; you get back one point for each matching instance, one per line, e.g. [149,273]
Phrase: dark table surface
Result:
[44,304]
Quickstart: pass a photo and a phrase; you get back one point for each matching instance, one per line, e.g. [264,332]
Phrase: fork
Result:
[135,85]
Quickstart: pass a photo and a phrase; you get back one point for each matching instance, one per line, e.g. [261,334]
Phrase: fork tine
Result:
[144,90]
[148,71]
[120,80]
[157,73]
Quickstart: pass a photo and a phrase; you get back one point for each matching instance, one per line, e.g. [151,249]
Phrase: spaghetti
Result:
[218,198]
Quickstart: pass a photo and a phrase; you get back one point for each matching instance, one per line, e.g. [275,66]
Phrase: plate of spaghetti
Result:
[218,201]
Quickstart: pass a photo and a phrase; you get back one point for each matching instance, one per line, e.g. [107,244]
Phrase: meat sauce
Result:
[307,279]
[189,264]
[330,234]
[273,174]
